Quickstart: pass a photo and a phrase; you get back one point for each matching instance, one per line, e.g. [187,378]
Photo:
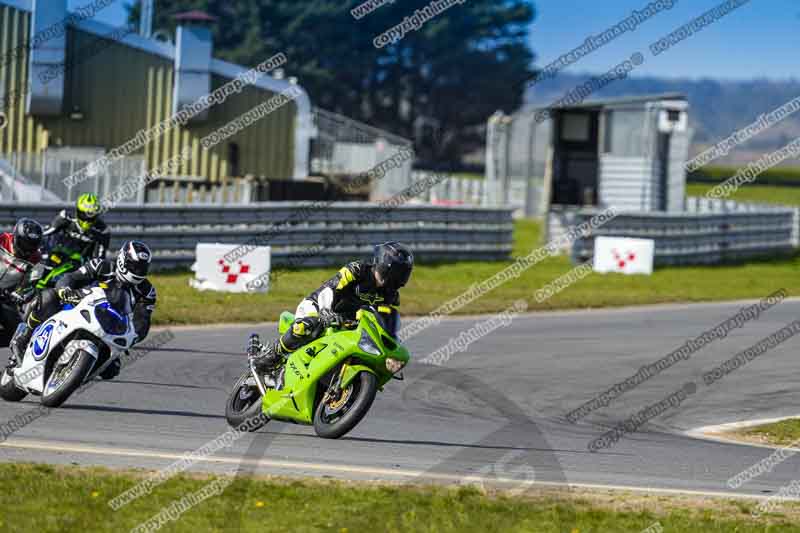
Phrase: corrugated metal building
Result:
[628,153]
[114,87]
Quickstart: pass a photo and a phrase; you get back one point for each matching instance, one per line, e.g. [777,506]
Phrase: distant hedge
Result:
[788,176]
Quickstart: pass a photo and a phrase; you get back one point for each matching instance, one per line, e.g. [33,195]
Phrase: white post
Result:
[71,172]
[43,161]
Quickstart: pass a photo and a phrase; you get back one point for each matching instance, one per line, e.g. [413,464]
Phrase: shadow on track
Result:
[161,412]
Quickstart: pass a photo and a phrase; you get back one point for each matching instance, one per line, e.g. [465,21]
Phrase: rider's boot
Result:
[19,343]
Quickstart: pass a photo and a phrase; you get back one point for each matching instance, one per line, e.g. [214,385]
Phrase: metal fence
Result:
[517,152]
[336,233]
[32,177]
[709,232]
[41,176]
[346,147]
[453,190]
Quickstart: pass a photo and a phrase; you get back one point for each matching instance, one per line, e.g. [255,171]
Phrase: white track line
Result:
[626,309]
[420,475]
[705,432]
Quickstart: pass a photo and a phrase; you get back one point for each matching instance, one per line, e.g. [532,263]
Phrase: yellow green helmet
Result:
[87,210]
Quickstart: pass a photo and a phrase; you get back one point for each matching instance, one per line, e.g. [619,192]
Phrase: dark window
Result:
[233,160]
[673,115]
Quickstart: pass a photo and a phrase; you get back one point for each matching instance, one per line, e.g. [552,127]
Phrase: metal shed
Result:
[629,153]
[113,83]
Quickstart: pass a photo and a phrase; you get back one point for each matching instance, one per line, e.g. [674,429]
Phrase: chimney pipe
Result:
[194,48]
[146,18]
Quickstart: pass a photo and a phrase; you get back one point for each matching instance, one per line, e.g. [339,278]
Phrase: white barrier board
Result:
[625,256]
[247,274]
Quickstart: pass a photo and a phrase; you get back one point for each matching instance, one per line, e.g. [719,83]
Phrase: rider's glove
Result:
[328,318]
[69,296]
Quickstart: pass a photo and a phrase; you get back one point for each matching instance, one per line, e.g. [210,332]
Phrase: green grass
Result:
[773,175]
[778,433]
[49,499]
[432,285]
[754,193]
[468,175]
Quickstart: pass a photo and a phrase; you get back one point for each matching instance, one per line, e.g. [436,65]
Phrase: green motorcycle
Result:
[55,266]
[330,382]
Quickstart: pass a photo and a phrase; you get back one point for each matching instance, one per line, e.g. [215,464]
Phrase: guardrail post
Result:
[796,227]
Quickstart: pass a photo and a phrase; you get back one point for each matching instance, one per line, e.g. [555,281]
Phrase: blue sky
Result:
[115,14]
[760,39]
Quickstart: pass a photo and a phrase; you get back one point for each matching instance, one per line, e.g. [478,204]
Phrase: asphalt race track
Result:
[495,411]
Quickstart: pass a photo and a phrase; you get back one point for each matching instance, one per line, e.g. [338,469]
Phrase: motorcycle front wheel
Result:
[336,417]
[243,409]
[65,379]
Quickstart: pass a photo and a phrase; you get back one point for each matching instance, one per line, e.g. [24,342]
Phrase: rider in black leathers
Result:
[358,283]
[128,274]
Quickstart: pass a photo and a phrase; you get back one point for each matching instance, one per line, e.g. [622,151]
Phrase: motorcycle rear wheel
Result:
[334,419]
[243,408]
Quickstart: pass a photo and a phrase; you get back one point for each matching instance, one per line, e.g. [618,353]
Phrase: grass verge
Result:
[432,285]
[772,176]
[754,193]
[780,433]
[44,498]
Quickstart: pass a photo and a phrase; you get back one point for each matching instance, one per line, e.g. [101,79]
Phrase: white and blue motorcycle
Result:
[72,347]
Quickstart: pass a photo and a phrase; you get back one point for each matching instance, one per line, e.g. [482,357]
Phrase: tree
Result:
[452,73]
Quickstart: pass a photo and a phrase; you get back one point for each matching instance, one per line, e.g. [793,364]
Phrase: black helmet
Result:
[133,262]
[393,263]
[28,236]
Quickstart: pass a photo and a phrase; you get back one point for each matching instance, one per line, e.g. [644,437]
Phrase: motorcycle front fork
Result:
[262,385]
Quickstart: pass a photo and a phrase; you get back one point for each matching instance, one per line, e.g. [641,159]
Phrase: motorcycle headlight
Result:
[367,344]
[394,365]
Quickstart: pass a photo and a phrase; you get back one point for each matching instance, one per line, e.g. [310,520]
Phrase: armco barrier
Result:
[345,230]
[708,232]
